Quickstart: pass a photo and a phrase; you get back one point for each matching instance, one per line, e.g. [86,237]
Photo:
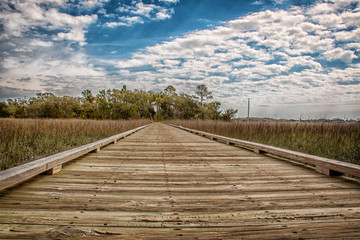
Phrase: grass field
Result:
[24,140]
[330,140]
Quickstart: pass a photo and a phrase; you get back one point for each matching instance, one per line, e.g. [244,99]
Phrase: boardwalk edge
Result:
[329,167]
[51,164]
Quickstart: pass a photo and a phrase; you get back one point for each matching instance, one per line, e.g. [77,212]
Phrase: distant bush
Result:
[118,104]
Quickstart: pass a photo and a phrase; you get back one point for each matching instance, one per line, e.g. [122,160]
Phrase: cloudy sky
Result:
[292,58]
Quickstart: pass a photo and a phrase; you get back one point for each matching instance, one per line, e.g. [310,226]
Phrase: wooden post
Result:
[230,143]
[258,151]
[327,171]
[54,170]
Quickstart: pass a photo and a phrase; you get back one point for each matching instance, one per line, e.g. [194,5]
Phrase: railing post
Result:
[230,143]
[97,150]
[54,170]
[327,171]
[259,151]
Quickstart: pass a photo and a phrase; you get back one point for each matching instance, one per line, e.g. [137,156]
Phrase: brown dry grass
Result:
[331,140]
[24,140]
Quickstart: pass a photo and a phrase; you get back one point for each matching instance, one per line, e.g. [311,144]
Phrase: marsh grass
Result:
[330,140]
[24,140]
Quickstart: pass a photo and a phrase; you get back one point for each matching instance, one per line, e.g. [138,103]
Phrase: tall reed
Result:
[24,140]
[331,140]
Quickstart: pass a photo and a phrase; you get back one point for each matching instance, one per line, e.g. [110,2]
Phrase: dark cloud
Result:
[12,93]
[24,79]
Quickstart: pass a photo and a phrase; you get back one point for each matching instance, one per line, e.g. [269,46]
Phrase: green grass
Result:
[330,140]
[24,140]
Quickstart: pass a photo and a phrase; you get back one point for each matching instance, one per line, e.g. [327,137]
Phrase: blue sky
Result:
[293,58]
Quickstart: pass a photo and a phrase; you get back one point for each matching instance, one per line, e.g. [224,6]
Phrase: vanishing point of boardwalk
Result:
[165,183]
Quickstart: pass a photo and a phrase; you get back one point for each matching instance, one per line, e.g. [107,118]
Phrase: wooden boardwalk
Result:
[162,182]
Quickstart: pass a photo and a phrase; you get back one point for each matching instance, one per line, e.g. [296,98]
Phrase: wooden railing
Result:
[323,165]
[53,164]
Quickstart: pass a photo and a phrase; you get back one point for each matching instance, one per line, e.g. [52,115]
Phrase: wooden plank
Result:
[166,183]
[326,166]
[19,174]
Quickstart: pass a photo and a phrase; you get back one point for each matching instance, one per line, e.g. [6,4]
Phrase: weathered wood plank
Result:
[19,174]
[165,183]
[323,165]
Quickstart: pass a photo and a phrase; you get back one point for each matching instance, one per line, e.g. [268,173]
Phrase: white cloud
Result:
[126,21]
[348,35]
[271,56]
[50,72]
[133,20]
[30,15]
[310,27]
[162,14]
[331,21]
[39,43]
[170,1]
[144,9]
[353,46]
[139,12]
[321,9]
[93,3]
[115,24]
[274,57]
[339,53]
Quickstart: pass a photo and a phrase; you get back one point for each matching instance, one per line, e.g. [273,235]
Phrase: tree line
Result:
[120,104]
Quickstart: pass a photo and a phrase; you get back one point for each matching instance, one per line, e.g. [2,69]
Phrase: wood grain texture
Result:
[165,183]
[16,175]
[325,166]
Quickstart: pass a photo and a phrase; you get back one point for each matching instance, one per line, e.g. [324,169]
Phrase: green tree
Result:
[203,93]
[88,107]
[213,110]
[4,110]
[170,90]
[103,108]
[70,107]
[187,107]
[168,103]
[228,114]
[50,110]
[119,104]
[88,96]
[17,108]
[159,99]
[143,101]
[34,107]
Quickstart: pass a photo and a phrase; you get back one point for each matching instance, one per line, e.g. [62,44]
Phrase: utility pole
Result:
[248,112]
